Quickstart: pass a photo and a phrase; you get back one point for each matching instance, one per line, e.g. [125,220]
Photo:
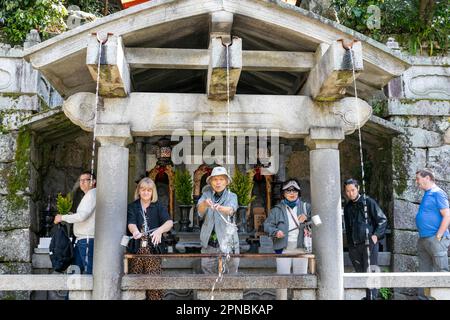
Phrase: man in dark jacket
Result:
[357,230]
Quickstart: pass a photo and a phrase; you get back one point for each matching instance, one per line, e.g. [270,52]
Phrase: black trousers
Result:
[358,257]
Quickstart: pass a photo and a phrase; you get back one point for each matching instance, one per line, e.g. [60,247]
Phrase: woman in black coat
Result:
[147,220]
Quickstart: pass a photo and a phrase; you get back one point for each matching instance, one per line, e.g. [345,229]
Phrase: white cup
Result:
[125,240]
[316,220]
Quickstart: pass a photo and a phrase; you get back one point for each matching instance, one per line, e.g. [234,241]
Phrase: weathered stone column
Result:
[111,209]
[326,202]
[139,158]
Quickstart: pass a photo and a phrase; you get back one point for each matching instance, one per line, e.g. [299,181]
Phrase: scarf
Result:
[291,204]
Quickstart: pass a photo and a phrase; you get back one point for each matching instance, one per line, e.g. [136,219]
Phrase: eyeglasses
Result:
[291,191]
[85,180]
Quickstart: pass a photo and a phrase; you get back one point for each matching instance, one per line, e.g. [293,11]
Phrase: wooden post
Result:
[220,265]
[312,265]
[125,265]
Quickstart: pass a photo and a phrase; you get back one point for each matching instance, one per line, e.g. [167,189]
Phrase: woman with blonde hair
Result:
[147,220]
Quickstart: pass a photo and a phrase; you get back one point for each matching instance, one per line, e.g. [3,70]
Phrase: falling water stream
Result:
[100,44]
[227,244]
[363,184]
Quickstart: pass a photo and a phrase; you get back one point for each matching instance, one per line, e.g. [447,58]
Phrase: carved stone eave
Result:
[162,113]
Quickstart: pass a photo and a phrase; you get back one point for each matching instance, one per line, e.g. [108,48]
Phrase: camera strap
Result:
[146,231]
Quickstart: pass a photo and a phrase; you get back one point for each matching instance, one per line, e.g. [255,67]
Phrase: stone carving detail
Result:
[80,108]
[350,109]
[424,85]
[5,79]
[255,294]
[179,295]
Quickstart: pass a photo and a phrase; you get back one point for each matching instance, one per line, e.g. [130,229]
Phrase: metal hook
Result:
[347,46]
[102,37]
[226,41]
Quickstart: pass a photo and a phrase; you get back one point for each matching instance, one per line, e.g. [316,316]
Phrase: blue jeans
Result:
[84,255]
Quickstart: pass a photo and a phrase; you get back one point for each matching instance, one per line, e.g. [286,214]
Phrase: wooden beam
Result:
[198,59]
[163,58]
[114,70]
[277,61]
[220,25]
[224,69]
[332,74]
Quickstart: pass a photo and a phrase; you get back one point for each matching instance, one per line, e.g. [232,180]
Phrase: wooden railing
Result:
[221,257]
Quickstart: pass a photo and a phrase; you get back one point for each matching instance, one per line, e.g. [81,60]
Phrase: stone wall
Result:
[420,103]
[60,165]
[23,92]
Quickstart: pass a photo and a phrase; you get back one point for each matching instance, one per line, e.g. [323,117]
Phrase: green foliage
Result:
[242,186]
[386,293]
[426,32]
[183,187]
[96,7]
[379,107]
[64,204]
[19,17]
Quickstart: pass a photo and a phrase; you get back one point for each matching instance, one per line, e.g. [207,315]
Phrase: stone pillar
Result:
[111,209]
[140,158]
[326,202]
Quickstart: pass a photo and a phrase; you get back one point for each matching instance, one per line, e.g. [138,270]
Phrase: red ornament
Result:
[129,3]
[258,175]
[161,171]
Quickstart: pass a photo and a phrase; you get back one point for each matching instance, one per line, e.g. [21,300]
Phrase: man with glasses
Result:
[357,230]
[83,224]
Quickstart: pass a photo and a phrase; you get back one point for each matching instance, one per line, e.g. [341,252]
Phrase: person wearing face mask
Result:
[218,235]
[147,220]
[357,230]
[285,224]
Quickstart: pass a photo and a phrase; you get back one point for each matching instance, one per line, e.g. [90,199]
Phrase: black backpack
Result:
[61,249]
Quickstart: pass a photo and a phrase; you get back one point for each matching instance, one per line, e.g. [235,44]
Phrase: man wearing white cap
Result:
[216,206]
